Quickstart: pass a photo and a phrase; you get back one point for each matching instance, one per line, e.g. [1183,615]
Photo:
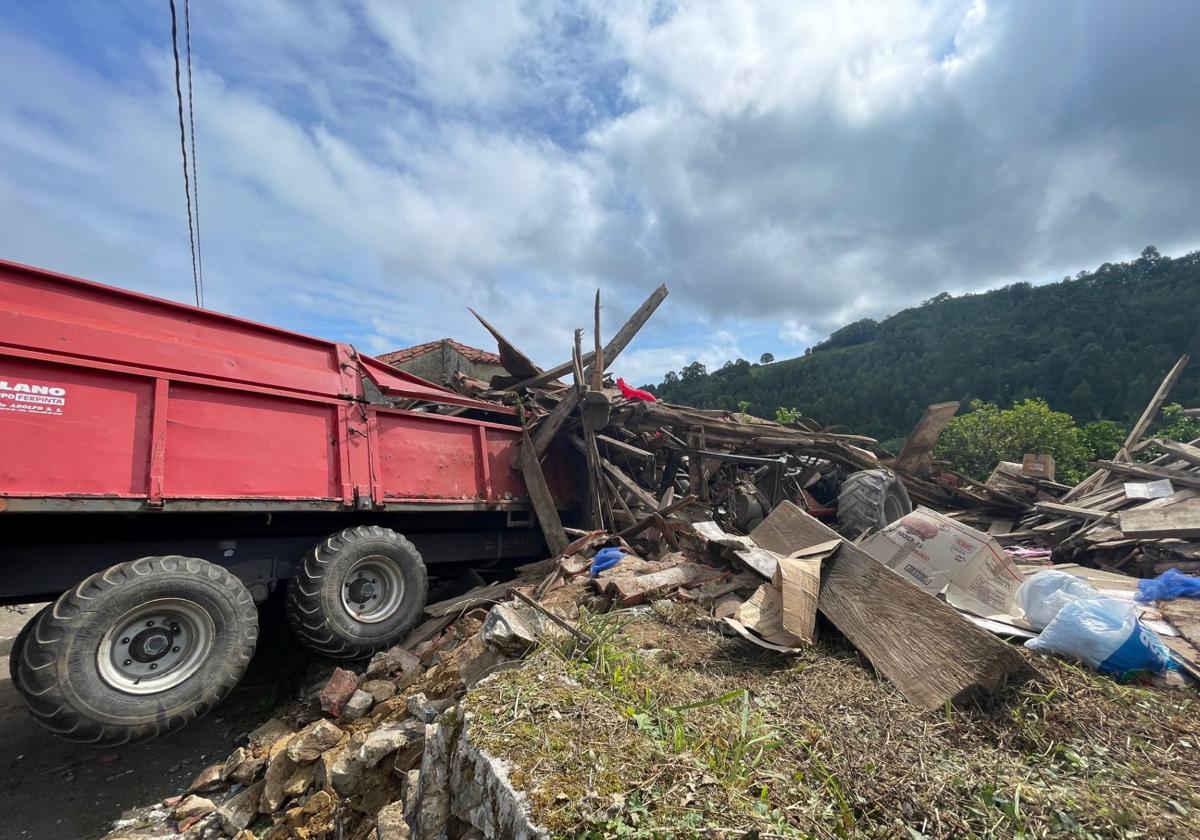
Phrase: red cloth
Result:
[631,393]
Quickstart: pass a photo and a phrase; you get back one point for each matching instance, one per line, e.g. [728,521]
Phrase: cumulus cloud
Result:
[368,170]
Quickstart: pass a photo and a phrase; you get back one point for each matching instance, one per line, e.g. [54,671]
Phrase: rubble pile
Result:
[717,531]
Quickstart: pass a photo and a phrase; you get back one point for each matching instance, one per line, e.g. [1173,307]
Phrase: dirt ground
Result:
[55,790]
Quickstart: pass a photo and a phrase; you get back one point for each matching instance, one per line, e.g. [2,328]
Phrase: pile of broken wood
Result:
[1137,518]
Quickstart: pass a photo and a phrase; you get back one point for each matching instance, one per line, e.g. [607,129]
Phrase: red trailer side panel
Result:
[66,430]
[227,445]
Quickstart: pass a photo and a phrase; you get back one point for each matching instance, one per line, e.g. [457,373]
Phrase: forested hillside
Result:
[1095,346]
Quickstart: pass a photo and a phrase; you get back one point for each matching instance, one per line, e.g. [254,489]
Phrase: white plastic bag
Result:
[1046,592]
[1105,634]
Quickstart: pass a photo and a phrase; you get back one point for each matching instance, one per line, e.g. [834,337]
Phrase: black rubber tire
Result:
[14,655]
[59,678]
[315,609]
[869,500]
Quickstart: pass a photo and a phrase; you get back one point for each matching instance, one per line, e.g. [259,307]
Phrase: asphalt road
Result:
[51,789]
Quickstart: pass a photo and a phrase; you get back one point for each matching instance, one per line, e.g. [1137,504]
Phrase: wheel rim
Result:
[155,646]
[372,589]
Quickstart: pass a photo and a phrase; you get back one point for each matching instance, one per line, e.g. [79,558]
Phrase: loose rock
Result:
[240,809]
[337,691]
[359,704]
[208,779]
[193,806]
[268,733]
[390,824]
[313,740]
[380,690]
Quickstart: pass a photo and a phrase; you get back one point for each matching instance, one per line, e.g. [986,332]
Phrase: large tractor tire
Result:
[869,500]
[138,650]
[359,591]
[14,655]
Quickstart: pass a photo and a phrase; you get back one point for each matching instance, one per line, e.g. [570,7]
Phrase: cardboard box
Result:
[1038,466]
[941,555]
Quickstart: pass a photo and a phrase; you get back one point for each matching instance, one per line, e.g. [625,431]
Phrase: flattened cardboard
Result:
[939,554]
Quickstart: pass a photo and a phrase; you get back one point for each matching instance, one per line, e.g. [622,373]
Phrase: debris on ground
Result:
[720,651]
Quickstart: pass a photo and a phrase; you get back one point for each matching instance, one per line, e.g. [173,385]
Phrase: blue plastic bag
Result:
[1170,584]
[606,558]
[1105,634]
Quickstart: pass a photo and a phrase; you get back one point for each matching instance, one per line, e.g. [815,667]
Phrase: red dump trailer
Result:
[164,468]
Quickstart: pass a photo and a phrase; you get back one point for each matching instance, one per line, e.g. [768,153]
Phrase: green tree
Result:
[1103,438]
[766,358]
[1177,426]
[976,442]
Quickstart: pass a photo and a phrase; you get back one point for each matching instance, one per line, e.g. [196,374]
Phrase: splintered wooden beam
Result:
[596,371]
[914,457]
[1098,478]
[539,494]
[631,327]
[1183,478]
[923,646]
[513,360]
[548,428]
[1183,451]
[1178,521]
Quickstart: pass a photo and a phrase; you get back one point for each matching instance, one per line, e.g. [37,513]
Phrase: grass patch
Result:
[665,727]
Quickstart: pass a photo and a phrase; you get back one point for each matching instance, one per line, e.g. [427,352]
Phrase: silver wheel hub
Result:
[155,646]
[373,589]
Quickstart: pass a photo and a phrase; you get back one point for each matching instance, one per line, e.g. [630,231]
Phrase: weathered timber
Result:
[548,428]
[924,647]
[1073,511]
[1098,478]
[625,448]
[630,328]
[513,360]
[1183,451]
[628,592]
[539,494]
[1180,521]
[1183,478]
[914,457]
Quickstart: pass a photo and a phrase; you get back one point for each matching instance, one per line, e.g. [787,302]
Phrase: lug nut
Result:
[175,649]
[125,640]
[128,662]
[153,665]
[149,623]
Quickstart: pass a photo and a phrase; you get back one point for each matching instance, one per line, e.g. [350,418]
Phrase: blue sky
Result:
[368,170]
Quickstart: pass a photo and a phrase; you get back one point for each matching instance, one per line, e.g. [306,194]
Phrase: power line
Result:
[187,189]
[187,36]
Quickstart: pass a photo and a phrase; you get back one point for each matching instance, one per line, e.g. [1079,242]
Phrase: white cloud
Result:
[786,168]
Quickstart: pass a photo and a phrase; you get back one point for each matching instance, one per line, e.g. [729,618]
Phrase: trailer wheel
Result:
[871,499]
[14,655]
[359,591]
[138,650]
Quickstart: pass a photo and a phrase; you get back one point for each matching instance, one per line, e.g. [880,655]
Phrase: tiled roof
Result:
[474,354]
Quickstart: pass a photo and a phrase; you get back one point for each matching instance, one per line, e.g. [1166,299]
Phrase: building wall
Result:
[437,365]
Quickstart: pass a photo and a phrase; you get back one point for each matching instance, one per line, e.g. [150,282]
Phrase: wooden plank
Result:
[626,448]
[595,374]
[631,591]
[621,478]
[1074,511]
[631,327]
[1181,521]
[539,494]
[1098,478]
[548,428]
[1182,478]
[513,360]
[914,456]
[924,647]
[1183,451]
